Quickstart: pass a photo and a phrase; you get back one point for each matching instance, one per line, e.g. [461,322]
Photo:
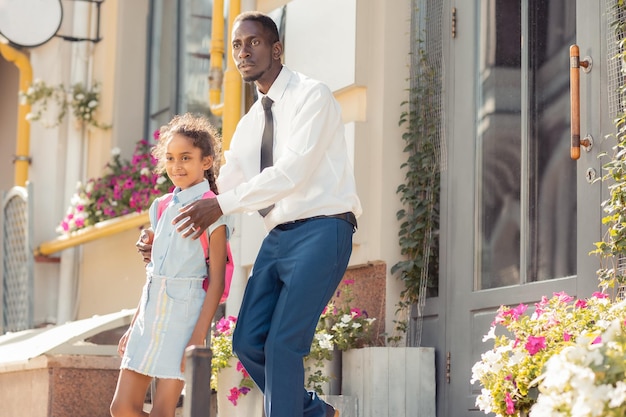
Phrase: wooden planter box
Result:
[391,381]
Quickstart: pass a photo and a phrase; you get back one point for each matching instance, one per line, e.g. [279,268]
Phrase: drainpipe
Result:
[232,83]
[216,72]
[230,109]
[22,159]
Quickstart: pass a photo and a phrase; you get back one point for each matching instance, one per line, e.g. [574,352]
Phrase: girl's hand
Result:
[144,244]
[121,346]
[192,342]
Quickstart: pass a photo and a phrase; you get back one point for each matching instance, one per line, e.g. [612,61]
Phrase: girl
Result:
[174,311]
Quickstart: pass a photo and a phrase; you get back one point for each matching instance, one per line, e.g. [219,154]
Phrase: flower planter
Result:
[249,405]
[391,381]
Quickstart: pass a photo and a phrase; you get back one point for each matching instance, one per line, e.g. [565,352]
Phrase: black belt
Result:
[347,216]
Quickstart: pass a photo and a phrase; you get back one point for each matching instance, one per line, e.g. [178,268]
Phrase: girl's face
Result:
[184,163]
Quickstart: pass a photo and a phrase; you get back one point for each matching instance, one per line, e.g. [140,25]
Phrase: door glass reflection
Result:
[523,122]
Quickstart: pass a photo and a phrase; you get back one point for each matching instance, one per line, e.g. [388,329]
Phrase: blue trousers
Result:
[297,270]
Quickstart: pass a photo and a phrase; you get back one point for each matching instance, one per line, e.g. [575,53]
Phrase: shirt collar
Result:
[190,194]
[279,85]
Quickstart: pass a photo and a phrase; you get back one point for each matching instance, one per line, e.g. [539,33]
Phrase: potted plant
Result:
[236,392]
[342,326]
[523,342]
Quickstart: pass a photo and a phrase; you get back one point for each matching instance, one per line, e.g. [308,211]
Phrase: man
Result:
[308,199]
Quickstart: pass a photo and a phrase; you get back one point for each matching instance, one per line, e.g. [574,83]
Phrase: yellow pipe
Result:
[102,229]
[216,70]
[230,109]
[22,149]
[232,84]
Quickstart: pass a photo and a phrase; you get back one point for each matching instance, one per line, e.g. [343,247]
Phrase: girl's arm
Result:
[121,345]
[217,271]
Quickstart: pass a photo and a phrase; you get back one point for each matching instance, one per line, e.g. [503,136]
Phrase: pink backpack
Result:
[204,241]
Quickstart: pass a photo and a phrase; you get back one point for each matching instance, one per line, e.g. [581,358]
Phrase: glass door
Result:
[522,215]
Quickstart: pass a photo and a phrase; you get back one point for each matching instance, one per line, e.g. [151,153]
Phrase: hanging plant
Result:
[612,248]
[83,102]
[419,193]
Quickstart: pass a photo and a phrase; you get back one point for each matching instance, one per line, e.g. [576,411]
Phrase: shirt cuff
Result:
[228,202]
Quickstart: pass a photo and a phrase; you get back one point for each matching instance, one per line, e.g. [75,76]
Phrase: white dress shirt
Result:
[311,175]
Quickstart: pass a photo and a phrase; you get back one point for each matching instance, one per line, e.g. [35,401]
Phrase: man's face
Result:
[254,52]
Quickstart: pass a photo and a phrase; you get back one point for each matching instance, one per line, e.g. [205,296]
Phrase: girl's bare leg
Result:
[166,397]
[130,394]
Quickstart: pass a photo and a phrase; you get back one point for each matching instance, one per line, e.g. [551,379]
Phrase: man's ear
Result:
[277,50]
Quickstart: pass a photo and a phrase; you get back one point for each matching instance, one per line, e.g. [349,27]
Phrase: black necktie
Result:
[267,143]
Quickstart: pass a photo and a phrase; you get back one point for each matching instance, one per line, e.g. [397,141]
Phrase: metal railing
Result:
[17,260]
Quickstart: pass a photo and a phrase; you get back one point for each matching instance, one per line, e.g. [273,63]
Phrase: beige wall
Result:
[111,272]
[111,276]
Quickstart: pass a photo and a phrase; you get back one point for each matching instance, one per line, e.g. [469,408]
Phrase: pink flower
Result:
[567,337]
[348,281]
[563,297]
[600,295]
[510,405]
[581,304]
[516,312]
[543,303]
[241,369]
[597,340]
[234,395]
[224,324]
[535,344]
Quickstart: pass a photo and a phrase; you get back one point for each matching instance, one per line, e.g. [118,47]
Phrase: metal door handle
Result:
[574,82]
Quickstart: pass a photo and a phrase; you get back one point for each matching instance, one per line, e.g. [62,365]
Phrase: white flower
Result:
[115,151]
[30,117]
[161,180]
[483,401]
[324,340]
[617,396]
[92,104]
[491,334]
[145,171]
